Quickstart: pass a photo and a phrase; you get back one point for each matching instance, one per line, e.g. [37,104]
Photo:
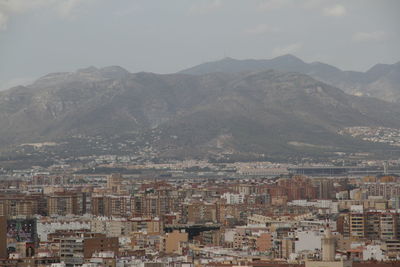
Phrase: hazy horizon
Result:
[44,36]
[30,81]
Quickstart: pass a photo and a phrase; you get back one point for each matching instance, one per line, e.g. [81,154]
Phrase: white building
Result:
[328,205]
[233,198]
[45,227]
[373,252]
[308,240]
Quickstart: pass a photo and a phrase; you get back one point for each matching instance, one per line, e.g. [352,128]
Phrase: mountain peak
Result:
[114,69]
[90,69]
[230,65]
[378,70]
[114,72]
[227,59]
[288,57]
[109,72]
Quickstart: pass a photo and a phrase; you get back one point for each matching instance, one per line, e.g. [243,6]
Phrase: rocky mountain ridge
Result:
[184,115]
[381,81]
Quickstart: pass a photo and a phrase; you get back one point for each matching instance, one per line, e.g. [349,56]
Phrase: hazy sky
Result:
[163,36]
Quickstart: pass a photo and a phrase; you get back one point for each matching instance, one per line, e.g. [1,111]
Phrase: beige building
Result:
[110,205]
[114,184]
[377,204]
[391,248]
[153,205]
[66,203]
[370,225]
[19,205]
[173,242]
[357,225]
[124,227]
[201,212]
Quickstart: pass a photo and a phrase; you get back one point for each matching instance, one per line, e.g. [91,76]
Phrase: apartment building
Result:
[372,225]
[65,203]
[111,205]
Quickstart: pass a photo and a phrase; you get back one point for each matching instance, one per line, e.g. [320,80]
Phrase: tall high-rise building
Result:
[66,203]
[114,205]
[328,246]
[114,183]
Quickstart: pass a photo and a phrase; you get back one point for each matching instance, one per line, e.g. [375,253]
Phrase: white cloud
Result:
[206,7]
[10,8]
[261,29]
[369,36]
[335,11]
[286,49]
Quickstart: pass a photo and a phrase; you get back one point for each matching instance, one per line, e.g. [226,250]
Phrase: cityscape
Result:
[195,213]
[202,133]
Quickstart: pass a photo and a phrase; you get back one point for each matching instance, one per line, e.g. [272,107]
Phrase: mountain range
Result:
[381,81]
[225,107]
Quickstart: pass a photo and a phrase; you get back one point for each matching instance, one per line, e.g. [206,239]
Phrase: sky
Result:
[38,37]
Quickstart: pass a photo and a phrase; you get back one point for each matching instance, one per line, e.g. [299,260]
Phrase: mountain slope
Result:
[381,81]
[182,115]
[271,111]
